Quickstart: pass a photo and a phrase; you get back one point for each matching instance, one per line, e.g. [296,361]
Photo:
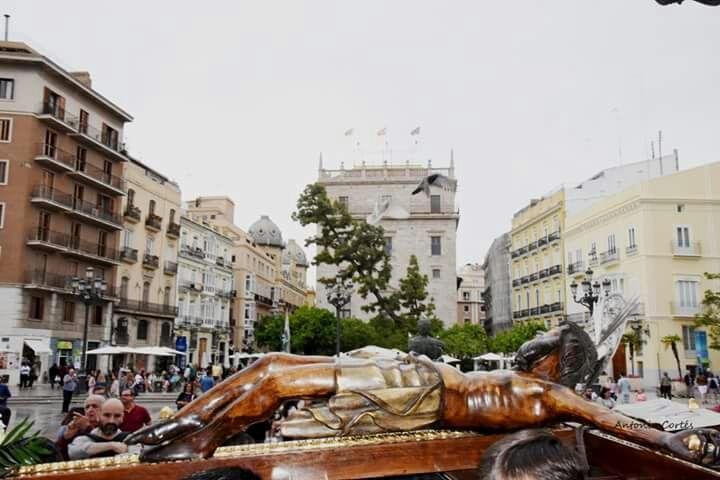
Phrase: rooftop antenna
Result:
[7,22]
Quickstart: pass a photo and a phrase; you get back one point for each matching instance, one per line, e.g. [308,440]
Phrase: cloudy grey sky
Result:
[239,98]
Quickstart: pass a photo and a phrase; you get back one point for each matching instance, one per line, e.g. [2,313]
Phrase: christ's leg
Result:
[257,403]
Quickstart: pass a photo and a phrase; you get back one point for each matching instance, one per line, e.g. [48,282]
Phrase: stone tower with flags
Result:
[429,232]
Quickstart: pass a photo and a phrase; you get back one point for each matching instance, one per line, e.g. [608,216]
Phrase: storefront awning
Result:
[38,346]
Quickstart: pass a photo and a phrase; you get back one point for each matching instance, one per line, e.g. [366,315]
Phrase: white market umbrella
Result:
[109,350]
[490,357]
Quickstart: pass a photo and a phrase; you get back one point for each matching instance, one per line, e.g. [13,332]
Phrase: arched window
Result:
[131,197]
[168,293]
[124,287]
[172,215]
[142,330]
[151,208]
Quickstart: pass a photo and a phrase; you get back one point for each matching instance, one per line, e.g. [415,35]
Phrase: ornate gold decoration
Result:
[255,449]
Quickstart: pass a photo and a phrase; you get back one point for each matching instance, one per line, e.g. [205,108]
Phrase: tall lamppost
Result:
[90,291]
[590,291]
[278,307]
[339,295]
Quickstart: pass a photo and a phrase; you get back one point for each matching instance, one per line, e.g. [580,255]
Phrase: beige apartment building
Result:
[269,276]
[471,306]
[537,260]
[61,188]
[654,241]
[147,277]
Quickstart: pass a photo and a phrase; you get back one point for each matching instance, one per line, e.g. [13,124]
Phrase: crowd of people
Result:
[614,391]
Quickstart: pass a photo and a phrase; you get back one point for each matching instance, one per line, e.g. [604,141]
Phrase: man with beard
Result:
[79,424]
[106,440]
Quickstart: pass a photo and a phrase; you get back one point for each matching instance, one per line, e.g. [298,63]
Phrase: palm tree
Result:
[672,341]
[18,447]
[634,342]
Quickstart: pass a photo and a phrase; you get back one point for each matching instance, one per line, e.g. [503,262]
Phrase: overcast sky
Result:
[239,98]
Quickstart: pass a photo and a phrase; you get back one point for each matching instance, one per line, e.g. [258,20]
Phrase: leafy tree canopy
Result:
[465,341]
[710,317]
[508,341]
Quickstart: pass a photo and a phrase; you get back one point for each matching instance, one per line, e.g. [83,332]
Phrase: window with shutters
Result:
[5,130]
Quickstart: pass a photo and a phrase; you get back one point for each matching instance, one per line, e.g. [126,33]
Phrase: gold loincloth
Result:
[373,396]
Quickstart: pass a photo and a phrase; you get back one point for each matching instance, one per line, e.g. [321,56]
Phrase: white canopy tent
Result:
[449,359]
[502,361]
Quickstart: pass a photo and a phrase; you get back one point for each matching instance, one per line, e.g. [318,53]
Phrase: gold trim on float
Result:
[255,449]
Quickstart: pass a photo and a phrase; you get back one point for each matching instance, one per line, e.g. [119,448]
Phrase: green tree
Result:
[465,341]
[356,334]
[634,341]
[268,333]
[508,341]
[710,316]
[387,334]
[312,331]
[357,249]
[672,341]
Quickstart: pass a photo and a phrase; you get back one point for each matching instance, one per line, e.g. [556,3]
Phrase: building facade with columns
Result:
[654,241]
[471,307]
[205,293]
[429,232]
[147,277]
[61,162]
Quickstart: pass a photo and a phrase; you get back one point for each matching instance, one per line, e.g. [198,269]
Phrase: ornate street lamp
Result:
[590,291]
[339,295]
[90,291]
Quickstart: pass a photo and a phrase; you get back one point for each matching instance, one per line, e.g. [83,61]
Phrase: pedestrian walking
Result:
[69,386]
[623,385]
[54,376]
[4,395]
[666,386]
[24,375]
[702,388]
[689,380]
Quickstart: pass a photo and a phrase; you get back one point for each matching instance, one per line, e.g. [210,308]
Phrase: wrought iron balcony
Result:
[525,279]
[264,300]
[151,261]
[173,230]
[56,199]
[543,273]
[126,304]
[193,252]
[132,214]
[62,242]
[609,256]
[170,268]
[99,178]
[577,267]
[533,277]
[691,249]
[52,157]
[56,116]
[554,236]
[191,285]
[556,307]
[100,140]
[554,270]
[516,282]
[532,246]
[153,222]
[542,241]
[128,254]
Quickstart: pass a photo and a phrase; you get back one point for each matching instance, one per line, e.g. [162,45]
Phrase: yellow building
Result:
[655,240]
[537,260]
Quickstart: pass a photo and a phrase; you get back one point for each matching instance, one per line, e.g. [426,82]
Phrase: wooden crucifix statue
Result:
[368,395]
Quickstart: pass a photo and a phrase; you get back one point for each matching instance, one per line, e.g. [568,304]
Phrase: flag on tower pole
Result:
[415,131]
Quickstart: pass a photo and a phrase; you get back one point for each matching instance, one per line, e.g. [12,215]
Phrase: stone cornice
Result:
[603,218]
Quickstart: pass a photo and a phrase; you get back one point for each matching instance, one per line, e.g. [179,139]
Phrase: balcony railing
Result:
[74,245]
[691,249]
[577,267]
[173,229]
[128,254]
[532,246]
[48,279]
[97,135]
[533,277]
[542,241]
[122,338]
[170,268]
[154,222]
[101,176]
[556,307]
[554,270]
[543,273]
[151,261]
[525,279]
[609,256]
[54,157]
[191,285]
[554,236]
[263,299]
[146,307]
[75,204]
[58,115]
[191,251]
[684,310]
[132,213]
[516,282]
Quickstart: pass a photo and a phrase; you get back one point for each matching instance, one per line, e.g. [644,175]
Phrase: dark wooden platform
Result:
[376,456]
